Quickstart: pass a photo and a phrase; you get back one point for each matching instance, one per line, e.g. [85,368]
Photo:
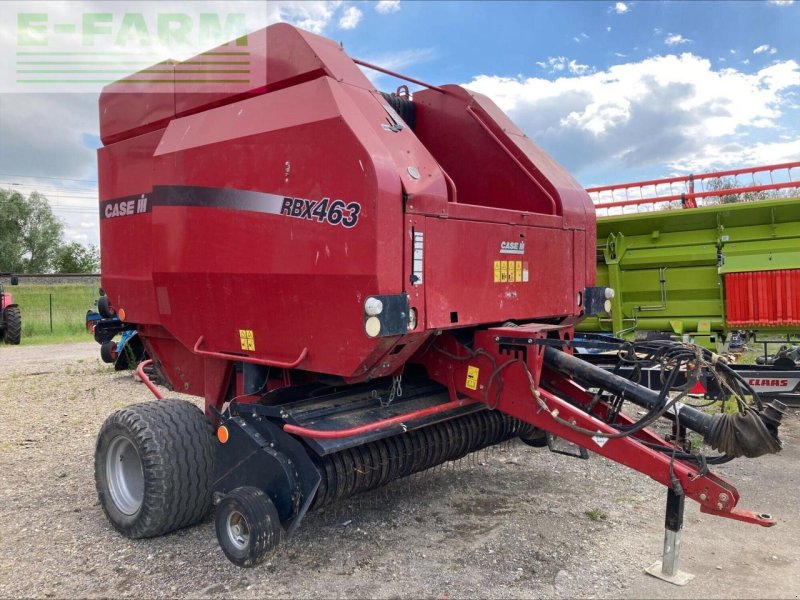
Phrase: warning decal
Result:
[510,271]
[472,377]
[247,340]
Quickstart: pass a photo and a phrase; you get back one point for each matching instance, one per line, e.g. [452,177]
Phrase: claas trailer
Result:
[361,286]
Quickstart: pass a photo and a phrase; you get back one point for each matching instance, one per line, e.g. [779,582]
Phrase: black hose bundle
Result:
[749,432]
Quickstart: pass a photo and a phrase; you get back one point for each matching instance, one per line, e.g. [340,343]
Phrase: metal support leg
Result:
[667,567]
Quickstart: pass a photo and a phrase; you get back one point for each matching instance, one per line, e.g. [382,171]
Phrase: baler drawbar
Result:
[361,286]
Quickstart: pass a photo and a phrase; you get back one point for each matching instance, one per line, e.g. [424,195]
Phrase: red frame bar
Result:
[513,396]
[690,196]
[334,434]
[728,192]
[249,359]
[364,63]
[146,380]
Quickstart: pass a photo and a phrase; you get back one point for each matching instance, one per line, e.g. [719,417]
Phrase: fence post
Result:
[51,312]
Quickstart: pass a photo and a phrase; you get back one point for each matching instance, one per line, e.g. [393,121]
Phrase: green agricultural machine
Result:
[700,264]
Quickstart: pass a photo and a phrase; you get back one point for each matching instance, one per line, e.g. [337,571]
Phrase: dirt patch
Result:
[507,523]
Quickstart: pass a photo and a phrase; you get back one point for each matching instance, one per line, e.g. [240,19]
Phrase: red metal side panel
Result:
[137,104]
[294,282]
[126,261]
[763,298]
[489,280]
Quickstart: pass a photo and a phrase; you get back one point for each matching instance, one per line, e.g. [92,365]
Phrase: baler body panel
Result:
[233,230]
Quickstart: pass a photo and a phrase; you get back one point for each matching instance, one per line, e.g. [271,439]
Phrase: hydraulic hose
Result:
[752,434]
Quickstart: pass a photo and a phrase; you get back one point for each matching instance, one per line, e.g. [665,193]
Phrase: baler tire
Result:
[13,329]
[174,445]
[108,352]
[247,525]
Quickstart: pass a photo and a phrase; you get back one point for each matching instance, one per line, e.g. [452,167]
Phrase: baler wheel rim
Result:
[237,529]
[252,544]
[125,475]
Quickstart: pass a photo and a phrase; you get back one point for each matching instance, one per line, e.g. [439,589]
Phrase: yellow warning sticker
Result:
[510,271]
[246,339]
[472,377]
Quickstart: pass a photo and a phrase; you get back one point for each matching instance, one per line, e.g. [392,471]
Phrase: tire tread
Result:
[176,448]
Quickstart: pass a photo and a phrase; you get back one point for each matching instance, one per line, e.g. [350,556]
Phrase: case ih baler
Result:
[361,286]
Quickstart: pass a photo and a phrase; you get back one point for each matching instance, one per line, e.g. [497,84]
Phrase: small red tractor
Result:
[360,286]
[10,317]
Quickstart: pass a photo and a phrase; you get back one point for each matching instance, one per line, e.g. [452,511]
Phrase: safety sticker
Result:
[472,377]
[510,271]
[599,440]
[247,340]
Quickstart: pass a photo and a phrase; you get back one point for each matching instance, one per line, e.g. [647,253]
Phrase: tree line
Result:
[32,238]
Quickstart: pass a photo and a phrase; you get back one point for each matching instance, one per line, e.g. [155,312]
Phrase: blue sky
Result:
[615,91]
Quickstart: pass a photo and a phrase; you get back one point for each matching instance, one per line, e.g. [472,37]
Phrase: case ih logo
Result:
[125,207]
[512,247]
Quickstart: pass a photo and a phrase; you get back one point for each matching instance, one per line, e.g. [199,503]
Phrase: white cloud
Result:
[620,55]
[713,156]
[781,2]
[732,51]
[578,69]
[558,64]
[350,18]
[608,28]
[675,39]
[580,37]
[657,31]
[621,8]
[672,110]
[387,6]
[764,48]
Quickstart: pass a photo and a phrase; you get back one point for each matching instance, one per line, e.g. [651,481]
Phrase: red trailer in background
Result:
[10,316]
[361,286]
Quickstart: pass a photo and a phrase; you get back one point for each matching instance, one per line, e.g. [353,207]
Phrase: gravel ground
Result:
[509,523]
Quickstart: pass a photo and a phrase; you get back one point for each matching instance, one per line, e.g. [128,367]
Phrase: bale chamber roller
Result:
[360,285]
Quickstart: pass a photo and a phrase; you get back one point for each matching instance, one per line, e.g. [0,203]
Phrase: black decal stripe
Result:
[233,199]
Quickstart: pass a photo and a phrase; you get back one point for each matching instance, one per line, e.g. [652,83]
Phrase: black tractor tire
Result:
[108,352]
[12,318]
[247,525]
[104,307]
[154,467]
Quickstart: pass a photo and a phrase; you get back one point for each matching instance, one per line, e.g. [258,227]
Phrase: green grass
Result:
[67,303]
[596,514]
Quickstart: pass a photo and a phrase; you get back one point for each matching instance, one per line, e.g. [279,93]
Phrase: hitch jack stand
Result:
[667,567]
